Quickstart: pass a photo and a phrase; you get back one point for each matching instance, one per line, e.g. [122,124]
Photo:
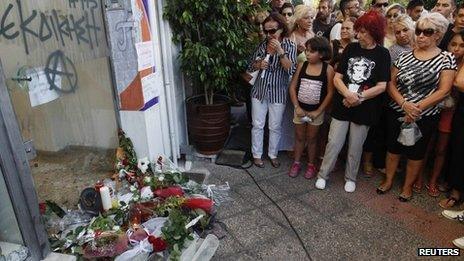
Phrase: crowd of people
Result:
[377,85]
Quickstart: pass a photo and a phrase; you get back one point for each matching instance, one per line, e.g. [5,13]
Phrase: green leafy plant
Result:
[175,233]
[214,35]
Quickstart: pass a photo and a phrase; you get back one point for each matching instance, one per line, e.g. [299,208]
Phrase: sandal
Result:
[403,198]
[417,188]
[258,163]
[380,190]
[449,202]
[432,190]
[275,163]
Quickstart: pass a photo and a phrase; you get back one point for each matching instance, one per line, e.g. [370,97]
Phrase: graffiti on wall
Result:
[52,26]
[76,23]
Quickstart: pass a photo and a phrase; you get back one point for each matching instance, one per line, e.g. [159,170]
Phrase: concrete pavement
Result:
[333,224]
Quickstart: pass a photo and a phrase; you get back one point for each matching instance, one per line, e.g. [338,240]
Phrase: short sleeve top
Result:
[417,79]
[362,69]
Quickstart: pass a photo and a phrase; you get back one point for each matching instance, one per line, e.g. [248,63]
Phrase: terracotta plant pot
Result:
[208,125]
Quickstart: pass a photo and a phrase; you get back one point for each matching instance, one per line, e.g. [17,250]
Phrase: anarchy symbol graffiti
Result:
[59,65]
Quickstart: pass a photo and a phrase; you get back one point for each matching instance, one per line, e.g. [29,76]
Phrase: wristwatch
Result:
[282,55]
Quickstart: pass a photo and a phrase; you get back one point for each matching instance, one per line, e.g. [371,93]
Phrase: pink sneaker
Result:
[310,171]
[294,170]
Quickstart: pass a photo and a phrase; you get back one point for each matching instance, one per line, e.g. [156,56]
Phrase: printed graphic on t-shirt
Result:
[310,91]
[359,70]
[410,78]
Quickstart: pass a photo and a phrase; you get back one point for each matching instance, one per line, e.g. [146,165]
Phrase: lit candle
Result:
[105,198]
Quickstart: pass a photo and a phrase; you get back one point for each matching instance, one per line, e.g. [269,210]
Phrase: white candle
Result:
[105,198]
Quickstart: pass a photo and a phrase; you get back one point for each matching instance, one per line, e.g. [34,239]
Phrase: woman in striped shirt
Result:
[275,57]
[420,80]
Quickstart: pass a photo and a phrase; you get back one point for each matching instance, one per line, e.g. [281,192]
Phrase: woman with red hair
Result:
[362,75]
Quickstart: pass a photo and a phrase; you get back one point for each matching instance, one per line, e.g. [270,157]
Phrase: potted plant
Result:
[214,36]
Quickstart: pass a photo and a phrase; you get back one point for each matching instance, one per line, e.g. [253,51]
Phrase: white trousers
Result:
[337,135]
[258,115]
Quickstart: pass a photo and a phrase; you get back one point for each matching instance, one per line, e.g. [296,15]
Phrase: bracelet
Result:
[402,104]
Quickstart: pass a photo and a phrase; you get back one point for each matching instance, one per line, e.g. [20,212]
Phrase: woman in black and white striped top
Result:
[420,80]
[275,57]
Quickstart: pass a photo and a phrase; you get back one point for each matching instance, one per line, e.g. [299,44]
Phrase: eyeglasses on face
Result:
[380,5]
[270,31]
[427,32]
[289,14]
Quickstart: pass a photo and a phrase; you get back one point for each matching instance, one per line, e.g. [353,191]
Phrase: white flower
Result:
[147,179]
[116,228]
[146,193]
[161,178]
[132,188]
[143,164]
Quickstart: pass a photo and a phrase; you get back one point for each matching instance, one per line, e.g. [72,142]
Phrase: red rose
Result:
[169,192]
[203,203]
[158,243]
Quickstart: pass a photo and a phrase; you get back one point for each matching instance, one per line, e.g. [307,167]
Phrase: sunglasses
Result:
[427,32]
[287,14]
[395,15]
[270,31]
[380,5]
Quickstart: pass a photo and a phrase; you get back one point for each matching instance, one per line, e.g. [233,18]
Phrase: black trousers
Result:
[455,173]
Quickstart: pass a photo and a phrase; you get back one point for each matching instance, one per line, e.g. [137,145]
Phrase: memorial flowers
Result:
[151,212]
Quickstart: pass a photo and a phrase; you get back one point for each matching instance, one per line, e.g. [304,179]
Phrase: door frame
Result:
[18,179]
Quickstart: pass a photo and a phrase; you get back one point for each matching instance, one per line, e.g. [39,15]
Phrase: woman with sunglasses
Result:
[287,12]
[275,58]
[302,21]
[392,13]
[420,80]
[362,74]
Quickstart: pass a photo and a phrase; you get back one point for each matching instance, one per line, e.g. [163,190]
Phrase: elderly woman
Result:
[375,147]
[302,28]
[347,35]
[392,13]
[420,80]
[403,28]
[362,75]
[275,57]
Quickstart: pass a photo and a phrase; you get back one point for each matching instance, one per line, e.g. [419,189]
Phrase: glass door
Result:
[11,242]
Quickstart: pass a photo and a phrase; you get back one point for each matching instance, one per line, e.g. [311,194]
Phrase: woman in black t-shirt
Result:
[362,75]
